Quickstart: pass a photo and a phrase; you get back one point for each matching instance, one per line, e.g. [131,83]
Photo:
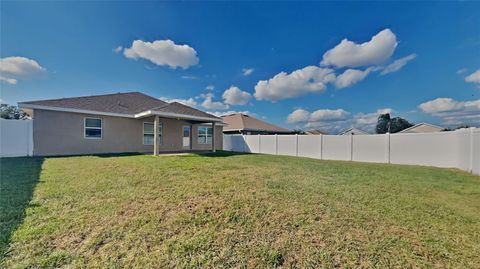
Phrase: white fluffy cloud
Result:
[321,115]
[298,115]
[329,115]
[17,68]
[474,77]
[247,71]
[346,55]
[283,85]
[370,119]
[223,113]
[8,80]
[374,52]
[208,103]
[453,112]
[235,96]
[440,105]
[351,76]
[210,88]
[163,52]
[188,102]
[398,64]
[335,120]
[117,49]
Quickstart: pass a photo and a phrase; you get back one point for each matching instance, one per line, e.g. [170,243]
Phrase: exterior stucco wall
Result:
[62,133]
[218,139]
[423,129]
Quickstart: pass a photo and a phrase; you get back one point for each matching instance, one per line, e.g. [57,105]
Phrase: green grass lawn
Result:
[243,211]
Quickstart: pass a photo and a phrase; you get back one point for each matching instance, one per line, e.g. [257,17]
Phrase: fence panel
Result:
[16,138]
[268,144]
[337,147]
[252,143]
[434,149]
[287,145]
[310,146]
[459,149]
[370,148]
[233,143]
[463,146]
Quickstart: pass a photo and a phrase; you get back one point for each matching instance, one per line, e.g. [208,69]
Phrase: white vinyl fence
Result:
[456,149]
[16,138]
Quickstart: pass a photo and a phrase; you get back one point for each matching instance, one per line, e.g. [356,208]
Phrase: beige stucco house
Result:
[422,128]
[117,123]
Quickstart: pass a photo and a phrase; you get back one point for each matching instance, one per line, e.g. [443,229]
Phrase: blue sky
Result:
[420,61]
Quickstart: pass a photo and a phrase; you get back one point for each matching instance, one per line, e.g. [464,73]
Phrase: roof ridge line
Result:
[86,96]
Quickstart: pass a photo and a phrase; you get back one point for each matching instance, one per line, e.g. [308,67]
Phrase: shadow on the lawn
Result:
[18,178]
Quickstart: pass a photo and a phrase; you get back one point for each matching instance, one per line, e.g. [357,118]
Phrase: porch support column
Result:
[213,136]
[156,124]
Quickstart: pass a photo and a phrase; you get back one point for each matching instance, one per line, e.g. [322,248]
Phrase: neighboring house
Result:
[315,132]
[353,131]
[121,122]
[239,123]
[422,128]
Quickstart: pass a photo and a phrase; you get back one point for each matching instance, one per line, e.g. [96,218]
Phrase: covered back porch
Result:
[180,133]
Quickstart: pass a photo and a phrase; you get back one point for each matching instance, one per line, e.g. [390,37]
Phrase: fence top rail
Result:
[465,130]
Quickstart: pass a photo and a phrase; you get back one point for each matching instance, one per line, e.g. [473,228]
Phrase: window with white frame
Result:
[93,128]
[148,128]
[205,135]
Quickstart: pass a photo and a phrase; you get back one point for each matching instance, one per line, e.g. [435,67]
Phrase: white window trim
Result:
[85,128]
[206,135]
[143,132]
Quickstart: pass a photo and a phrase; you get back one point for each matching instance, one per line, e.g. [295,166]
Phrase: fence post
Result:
[244,143]
[388,147]
[351,147]
[29,131]
[259,143]
[470,169]
[276,144]
[296,147]
[321,147]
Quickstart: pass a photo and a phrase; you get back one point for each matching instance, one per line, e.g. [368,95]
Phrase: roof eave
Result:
[143,114]
[73,110]
[149,113]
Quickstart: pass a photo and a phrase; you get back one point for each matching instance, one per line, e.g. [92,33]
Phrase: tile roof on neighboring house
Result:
[129,104]
[242,122]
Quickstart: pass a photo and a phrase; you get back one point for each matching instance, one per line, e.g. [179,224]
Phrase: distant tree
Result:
[397,124]
[382,123]
[12,113]
[462,126]
[298,131]
[456,128]
[386,124]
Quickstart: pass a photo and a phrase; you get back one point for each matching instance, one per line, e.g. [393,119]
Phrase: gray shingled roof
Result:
[129,103]
[123,103]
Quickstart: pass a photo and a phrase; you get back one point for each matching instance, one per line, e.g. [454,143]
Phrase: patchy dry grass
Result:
[223,211]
